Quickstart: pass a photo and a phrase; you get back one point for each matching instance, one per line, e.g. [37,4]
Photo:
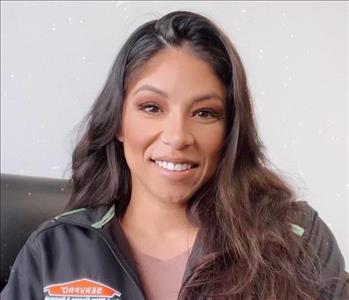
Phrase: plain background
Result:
[55,57]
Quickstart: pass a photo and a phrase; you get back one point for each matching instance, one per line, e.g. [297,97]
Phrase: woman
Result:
[172,196]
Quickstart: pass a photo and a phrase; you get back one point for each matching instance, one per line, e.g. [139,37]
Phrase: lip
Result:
[177,160]
[174,175]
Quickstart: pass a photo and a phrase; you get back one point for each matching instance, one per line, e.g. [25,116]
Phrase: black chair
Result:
[25,203]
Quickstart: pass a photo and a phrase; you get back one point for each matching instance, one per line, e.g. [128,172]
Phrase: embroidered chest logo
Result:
[82,289]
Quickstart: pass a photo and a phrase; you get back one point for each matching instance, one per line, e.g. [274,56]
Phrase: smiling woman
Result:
[172,194]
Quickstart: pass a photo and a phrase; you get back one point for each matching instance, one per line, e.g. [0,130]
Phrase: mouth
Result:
[174,167]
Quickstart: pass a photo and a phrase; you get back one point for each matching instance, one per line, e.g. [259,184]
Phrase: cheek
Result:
[136,135]
[210,141]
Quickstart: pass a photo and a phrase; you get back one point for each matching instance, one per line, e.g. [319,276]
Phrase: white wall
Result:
[56,55]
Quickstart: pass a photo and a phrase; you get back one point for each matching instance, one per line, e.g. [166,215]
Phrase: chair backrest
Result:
[26,202]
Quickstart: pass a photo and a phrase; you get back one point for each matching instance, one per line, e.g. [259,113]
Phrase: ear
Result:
[119,136]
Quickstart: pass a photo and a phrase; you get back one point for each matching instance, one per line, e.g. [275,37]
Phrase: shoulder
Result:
[316,231]
[319,237]
[53,224]
[76,219]
[316,234]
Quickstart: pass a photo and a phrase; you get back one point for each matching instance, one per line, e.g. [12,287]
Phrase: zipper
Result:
[121,263]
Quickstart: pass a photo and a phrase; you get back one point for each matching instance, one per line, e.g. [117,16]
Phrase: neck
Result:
[158,228]
[155,217]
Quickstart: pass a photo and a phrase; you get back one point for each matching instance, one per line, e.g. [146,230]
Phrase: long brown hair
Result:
[243,211]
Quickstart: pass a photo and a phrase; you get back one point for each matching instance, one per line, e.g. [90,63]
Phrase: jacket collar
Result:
[94,217]
[98,217]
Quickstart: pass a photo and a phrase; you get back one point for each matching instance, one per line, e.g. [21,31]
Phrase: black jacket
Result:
[74,256]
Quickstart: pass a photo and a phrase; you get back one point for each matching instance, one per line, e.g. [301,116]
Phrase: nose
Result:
[176,133]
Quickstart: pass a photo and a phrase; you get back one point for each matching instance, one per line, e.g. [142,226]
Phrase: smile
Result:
[177,167]
[174,168]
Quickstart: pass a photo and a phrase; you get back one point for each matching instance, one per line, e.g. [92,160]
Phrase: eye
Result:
[150,108]
[206,113]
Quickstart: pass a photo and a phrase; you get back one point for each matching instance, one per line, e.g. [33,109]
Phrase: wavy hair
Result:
[243,210]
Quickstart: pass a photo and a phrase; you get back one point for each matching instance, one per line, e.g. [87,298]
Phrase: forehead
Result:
[177,71]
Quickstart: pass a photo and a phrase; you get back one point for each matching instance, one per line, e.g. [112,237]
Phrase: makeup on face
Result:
[173,125]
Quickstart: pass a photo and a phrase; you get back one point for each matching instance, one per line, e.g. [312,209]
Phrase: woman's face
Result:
[173,126]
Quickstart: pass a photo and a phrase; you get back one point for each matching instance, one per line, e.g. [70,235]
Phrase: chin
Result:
[174,198]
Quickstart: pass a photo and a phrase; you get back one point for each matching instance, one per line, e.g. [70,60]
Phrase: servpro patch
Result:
[81,289]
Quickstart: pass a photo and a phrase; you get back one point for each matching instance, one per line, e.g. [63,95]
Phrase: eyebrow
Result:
[148,87]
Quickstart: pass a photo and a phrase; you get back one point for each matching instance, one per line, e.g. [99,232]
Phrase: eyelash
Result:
[213,113]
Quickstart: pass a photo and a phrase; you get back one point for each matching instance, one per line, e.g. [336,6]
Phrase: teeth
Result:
[173,167]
